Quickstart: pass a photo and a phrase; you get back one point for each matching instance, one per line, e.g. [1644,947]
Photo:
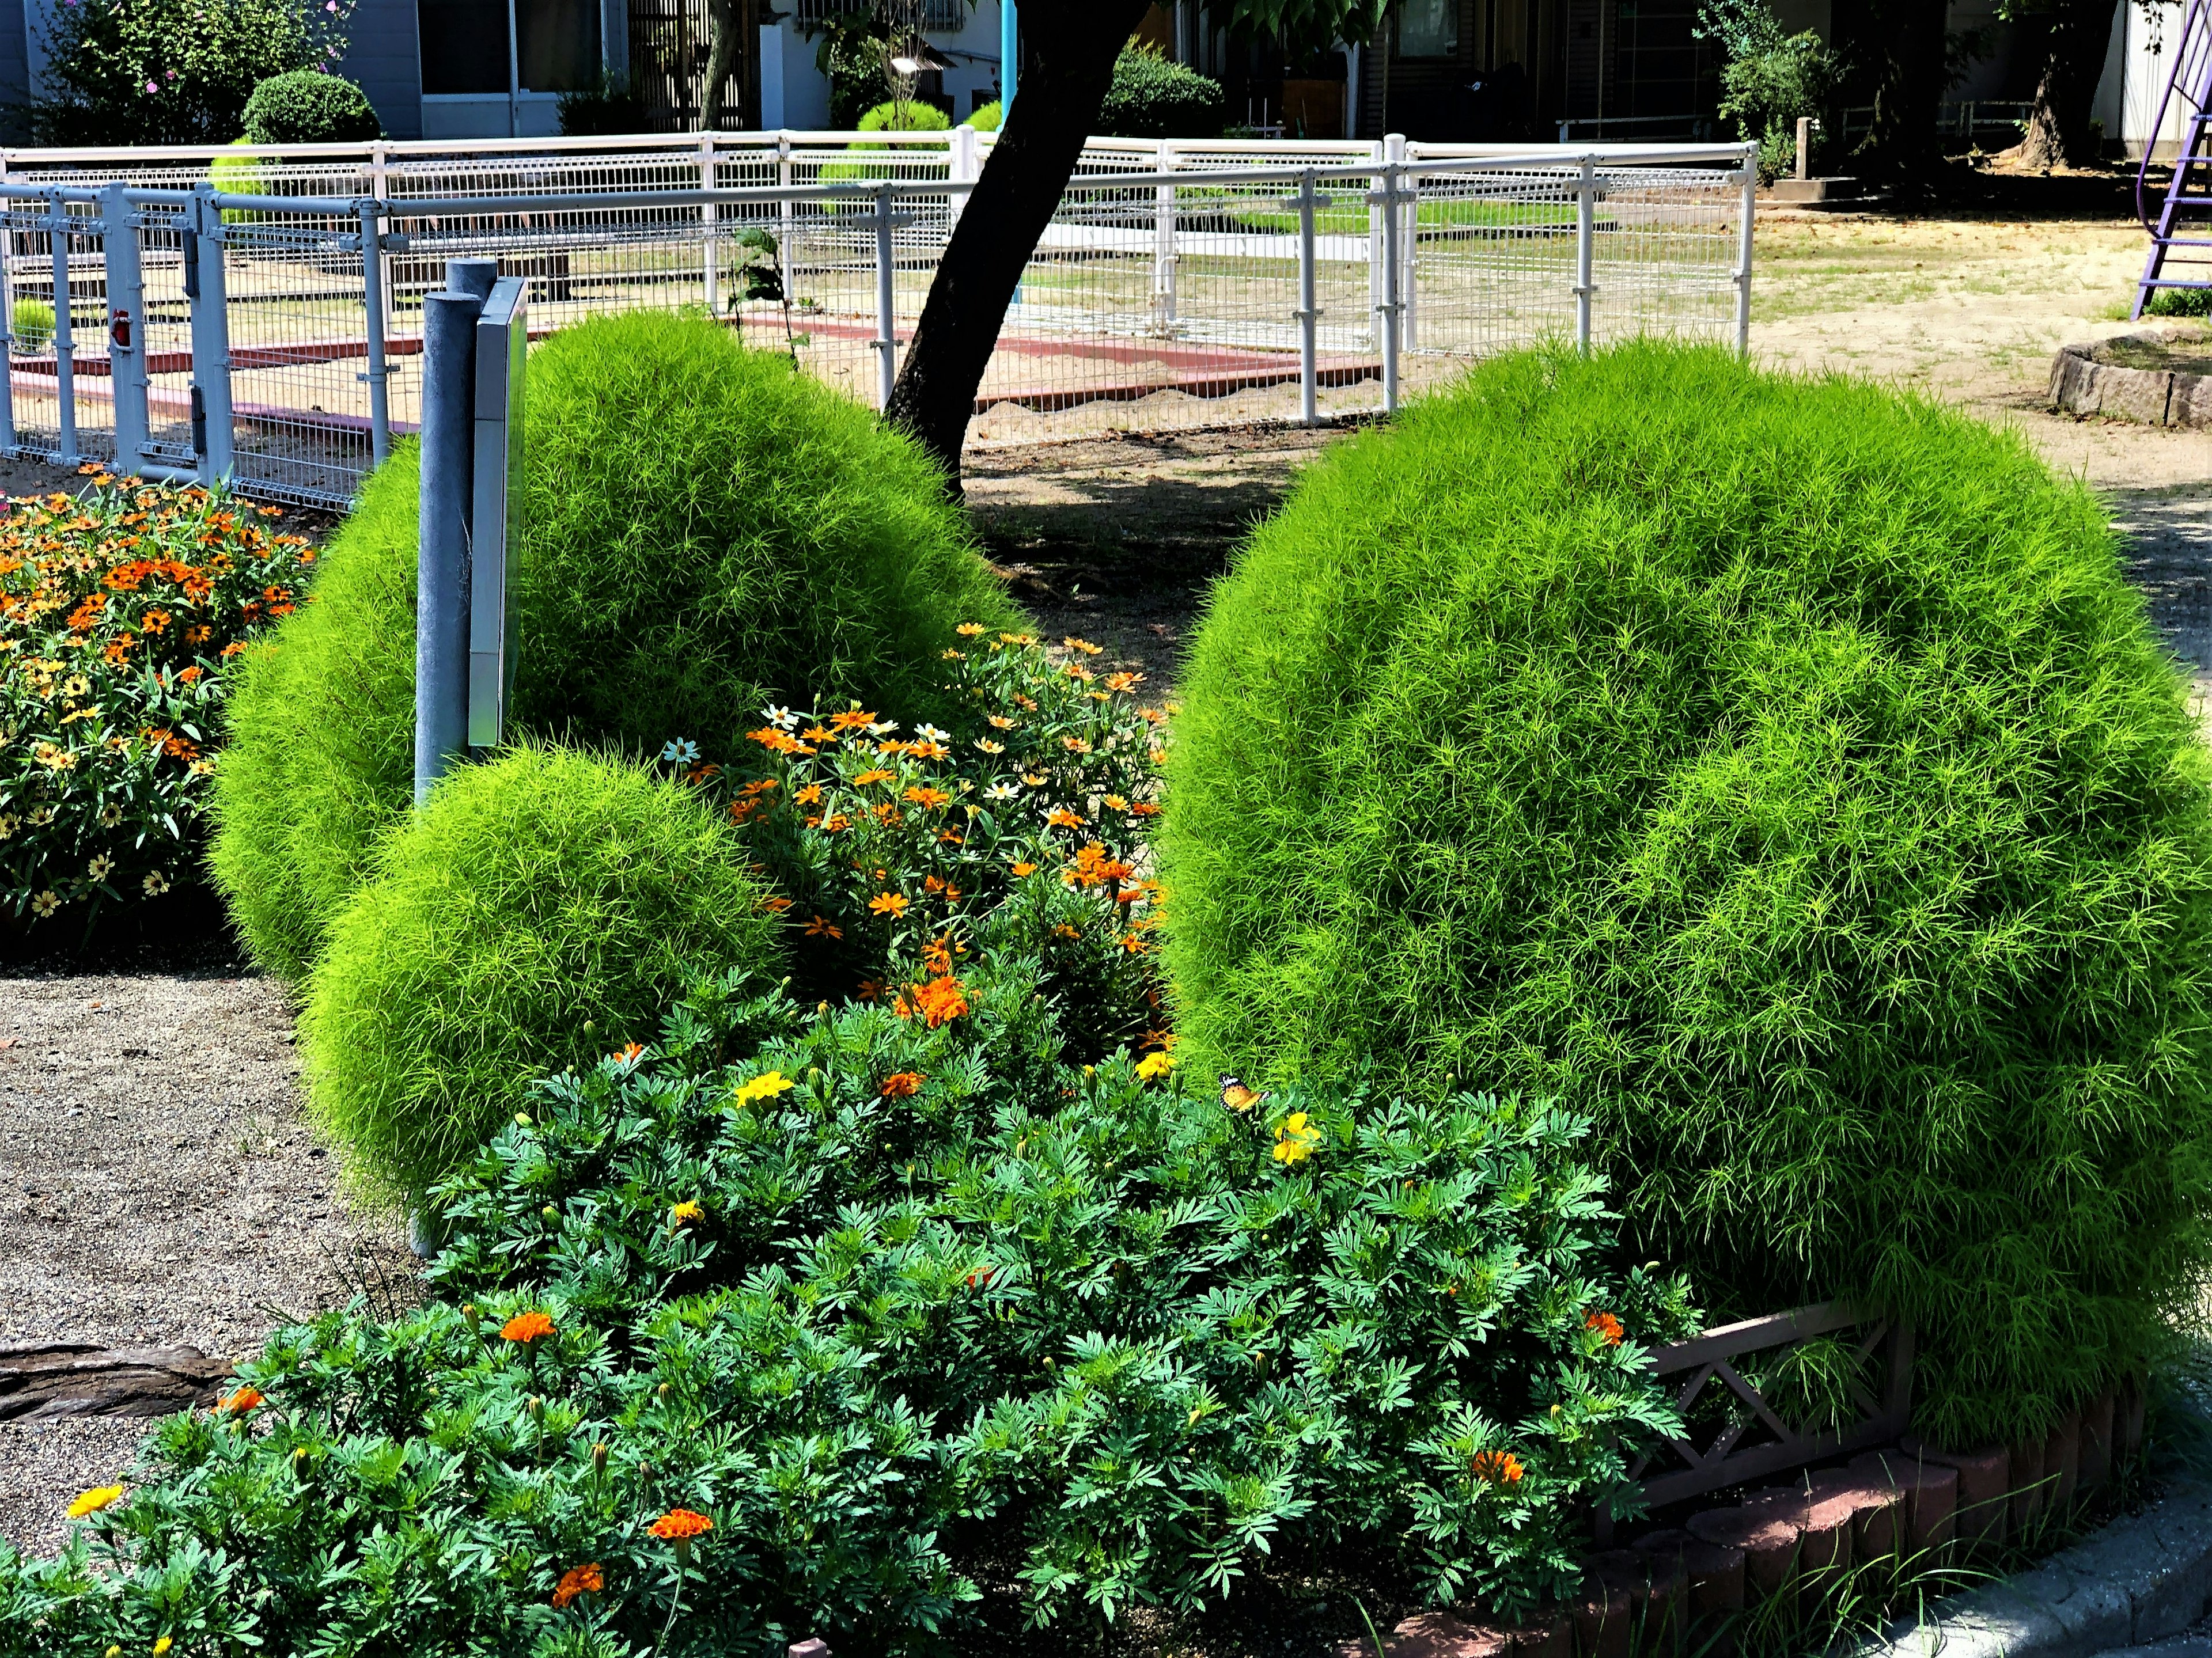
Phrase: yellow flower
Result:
[47,902]
[162,1646]
[99,1497]
[1155,1066]
[1295,1140]
[765,1088]
[684,1213]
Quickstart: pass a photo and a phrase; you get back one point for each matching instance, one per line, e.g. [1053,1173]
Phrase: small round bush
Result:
[540,910]
[309,106]
[1152,96]
[704,530]
[1782,771]
[987,117]
[911,116]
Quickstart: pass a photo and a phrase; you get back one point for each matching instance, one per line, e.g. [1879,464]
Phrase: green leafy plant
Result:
[1768,78]
[1154,97]
[895,1307]
[310,106]
[34,326]
[174,71]
[986,117]
[1781,770]
[120,612]
[705,530]
[905,115]
[610,107]
[536,910]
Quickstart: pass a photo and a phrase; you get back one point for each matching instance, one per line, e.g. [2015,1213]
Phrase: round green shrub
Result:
[987,117]
[911,116]
[310,106]
[539,911]
[704,530]
[1152,96]
[34,326]
[1780,770]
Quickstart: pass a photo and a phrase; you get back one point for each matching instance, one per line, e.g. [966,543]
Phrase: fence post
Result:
[442,603]
[708,213]
[57,235]
[1390,306]
[127,328]
[7,317]
[209,294]
[1309,306]
[960,168]
[1164,244]
[1742,276]
[787,220]
[379,187]
[372,306]
[1409,242]
[1585,225]
[886,341]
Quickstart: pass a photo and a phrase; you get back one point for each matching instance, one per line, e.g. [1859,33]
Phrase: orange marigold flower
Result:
[940,1002]
[901,1084]
[1061,818]
[1023,869]
[187,676]
[809,796]
[577,1580]
[237,1403]
[1145,808]
[888,903]
[680,1526]
[526,1328]
[1606,1326]
[1497,1467]
[630,1051]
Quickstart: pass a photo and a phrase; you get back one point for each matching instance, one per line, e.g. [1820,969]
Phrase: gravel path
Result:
[158,1186]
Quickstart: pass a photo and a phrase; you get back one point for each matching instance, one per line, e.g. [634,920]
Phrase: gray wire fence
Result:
[209,312]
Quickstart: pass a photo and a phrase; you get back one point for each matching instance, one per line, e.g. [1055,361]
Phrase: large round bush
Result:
[540,910]
[1780,770]
[705,530]
[309,106]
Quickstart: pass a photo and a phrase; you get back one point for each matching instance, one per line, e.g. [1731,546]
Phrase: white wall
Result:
[2136,66]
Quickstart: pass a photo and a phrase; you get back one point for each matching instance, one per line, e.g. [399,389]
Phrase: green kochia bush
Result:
[310,106]
[907,1308]
[537,910]
[705,529]
[1778,769]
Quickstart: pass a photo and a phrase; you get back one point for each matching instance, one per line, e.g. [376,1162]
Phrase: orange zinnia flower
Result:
[851,720]
[239,1402]
[822,927]
[577,1580]
[526,1328]
[1063,818]
[901,1084]
[888,903]
[876,775]
[680,1526]
[1497,1467]
[1606,1326]
[928,798]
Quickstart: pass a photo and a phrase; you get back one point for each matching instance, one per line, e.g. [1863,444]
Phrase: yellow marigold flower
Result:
[1154,1066]
[764,1088]
[99,1497]
[1295,1140]
[684,1213]
[162,1646]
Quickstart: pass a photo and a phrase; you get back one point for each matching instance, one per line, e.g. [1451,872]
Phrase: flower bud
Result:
[550,1213]
[599,1458]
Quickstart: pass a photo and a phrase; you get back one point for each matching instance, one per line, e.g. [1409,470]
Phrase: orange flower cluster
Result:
[577,1580]
[901,1084]
[680,1526]
[526,1328]
[938,1003]
[1608,1327]
[1497,1468]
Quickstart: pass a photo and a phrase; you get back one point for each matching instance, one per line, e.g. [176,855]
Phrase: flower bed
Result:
[120,611]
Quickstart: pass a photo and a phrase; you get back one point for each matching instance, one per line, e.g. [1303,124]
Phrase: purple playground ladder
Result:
[2181,229]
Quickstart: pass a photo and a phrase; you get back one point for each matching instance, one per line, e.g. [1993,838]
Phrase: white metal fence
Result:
[207,311]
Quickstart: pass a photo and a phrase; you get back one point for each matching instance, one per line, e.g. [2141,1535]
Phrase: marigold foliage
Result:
[538,911]
[1780,770]
[705,529]
[121,613]
[1066,1331]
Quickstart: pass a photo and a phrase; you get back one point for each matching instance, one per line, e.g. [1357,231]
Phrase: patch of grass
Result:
[1780,770]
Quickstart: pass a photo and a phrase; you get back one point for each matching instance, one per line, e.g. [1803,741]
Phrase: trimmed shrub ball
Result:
[1779,770]
[911,116]
[1152,96]
[541,910]
[705,530]
[308,106]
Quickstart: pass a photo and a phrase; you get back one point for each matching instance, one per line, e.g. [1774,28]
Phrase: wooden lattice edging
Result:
[1725,1462]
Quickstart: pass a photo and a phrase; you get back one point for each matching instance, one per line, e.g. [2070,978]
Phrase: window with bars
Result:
[930,16]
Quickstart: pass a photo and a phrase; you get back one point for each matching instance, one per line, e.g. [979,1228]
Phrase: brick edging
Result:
[2139,1580]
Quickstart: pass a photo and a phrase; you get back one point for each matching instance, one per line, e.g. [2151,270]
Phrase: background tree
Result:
[1067,63]
[2058,132]
[1901,65]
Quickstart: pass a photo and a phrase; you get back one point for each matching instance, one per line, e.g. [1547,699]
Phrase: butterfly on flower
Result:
[1237,1096]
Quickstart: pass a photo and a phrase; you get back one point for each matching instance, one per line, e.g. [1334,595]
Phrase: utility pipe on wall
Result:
[1010,57]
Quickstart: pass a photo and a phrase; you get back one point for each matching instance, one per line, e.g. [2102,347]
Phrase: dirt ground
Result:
[157,1182]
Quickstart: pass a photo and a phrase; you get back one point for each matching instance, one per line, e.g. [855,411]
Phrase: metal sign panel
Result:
[503,352]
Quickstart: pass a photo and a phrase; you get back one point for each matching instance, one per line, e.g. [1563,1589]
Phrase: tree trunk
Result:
[1905,41]
[2058,132]
[722,53]
[1068,66]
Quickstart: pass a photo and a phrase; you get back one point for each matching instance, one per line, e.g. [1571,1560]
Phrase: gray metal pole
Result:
[473,278]
[58,234]
[7,330]
[127,328]
[211,342]
[1585,225]
[1391,306]
[1308,307]
[372,305]
[886,298]
[441,594]
[1743,251]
